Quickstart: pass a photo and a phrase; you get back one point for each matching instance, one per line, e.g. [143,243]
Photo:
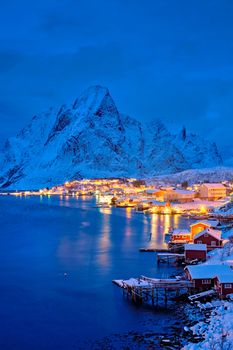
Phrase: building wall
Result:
[199,284]
[212,193]
[207,239]
[226,291]
[174,196]
[221,288]
[195,254]
[203,190]
[179,237]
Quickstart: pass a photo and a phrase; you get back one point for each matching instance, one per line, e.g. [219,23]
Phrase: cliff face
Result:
[92,139]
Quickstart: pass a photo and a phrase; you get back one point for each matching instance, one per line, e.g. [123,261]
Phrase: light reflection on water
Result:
[104,238]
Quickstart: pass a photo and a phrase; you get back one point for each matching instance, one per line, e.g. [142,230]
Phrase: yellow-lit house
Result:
[201,226]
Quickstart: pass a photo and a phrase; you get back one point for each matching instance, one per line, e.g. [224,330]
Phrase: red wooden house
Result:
[202,225]
[195,252]
[210,237]
[224,284]
[204,276]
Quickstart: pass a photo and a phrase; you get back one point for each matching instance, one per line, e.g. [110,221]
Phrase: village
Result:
[150,197]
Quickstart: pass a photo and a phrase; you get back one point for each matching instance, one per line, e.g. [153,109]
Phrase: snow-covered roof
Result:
[214,233]
[180,231]
[209,223]
[225,277]
[184,192]
[214,185]
[192,246]
[208,271]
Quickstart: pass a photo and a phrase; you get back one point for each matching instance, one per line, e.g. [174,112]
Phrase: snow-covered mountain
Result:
[90,138]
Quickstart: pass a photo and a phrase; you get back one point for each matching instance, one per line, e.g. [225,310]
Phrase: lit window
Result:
[206,281]
[227,285]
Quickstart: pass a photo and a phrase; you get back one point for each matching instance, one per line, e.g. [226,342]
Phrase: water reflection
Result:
[104,238]
[176,221]
[160,225]
[128,213]
[146,224]
[105,211]
[128,228]
[167,222]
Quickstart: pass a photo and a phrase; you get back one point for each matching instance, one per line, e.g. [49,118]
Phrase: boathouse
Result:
[204,276]
[202,225]
[180,236]
[224,284]
[195,252]
[212,238]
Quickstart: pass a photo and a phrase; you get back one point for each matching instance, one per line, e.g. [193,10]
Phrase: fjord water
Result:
[58,257]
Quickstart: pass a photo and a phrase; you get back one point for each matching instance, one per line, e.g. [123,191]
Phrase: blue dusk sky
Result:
[171,60]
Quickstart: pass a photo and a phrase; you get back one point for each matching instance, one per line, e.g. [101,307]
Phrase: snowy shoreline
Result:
[216,329]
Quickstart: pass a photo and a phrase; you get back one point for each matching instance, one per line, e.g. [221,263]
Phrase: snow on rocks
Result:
[217,332]
[223,256]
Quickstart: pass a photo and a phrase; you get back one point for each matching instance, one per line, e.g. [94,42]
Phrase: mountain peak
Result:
[92,95]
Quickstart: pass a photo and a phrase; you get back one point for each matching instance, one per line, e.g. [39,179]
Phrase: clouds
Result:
[159,58]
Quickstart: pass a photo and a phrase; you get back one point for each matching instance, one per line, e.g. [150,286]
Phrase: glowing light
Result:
[167,210]
[203,209]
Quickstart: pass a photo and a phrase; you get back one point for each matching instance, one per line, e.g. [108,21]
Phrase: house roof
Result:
[192,246]
[209,223]
[184,191]
[179,231]
[214,185]
[208,271]
[214,233]
[225,277]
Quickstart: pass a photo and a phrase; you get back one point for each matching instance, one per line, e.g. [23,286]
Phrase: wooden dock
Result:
[153,250]
[169,258]
[153,291]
